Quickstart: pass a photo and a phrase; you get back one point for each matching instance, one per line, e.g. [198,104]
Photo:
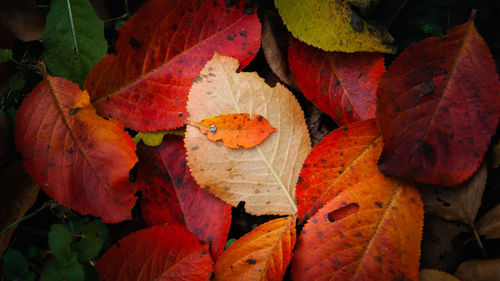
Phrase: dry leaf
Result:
[479,270]
[436,275]
[443,243]
[17,194]
[274,37]
[23,18]
[489,224]
[459,203]
[264,177]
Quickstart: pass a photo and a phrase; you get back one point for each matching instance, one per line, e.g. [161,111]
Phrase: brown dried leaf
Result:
[23,18]
[479,270]
[443,243]
[456,204]
[489,224]
[274,41]
[436,275]
[494,156]
[18,193]
[264,177]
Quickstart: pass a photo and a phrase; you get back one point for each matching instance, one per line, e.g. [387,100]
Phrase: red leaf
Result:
[78,158]
[438,107]
[341,85]
[157,253]
[184,202]
[236,130]
[339,157]
[161,49]
[371,229]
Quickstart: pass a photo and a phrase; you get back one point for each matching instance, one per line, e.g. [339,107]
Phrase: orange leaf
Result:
[370,230]
[236,130]
[262,254]
[157,253]
[78,158]
[338,158]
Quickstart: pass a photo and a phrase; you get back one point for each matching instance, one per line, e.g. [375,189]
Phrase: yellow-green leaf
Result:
[332,26]
[155,138]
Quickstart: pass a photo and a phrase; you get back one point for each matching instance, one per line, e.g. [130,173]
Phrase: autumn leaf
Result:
[156,253]
[489,224]
[457,204]
[179,199]
[264,177]
[371,228]
[341,85]
[17,196]
[160,51]
[332,26]
[479,270]
[436,275]
[78,158]
[236,130]
[438,107]
[156,138]
[262,254]
[341,157]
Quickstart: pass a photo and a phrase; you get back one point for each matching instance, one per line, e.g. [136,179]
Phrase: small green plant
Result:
[15,266]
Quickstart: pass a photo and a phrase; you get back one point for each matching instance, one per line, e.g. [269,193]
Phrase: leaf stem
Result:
[25,217]
[478,239]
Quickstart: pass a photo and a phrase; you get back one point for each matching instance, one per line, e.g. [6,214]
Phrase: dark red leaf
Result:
[181,200]
[160,51]
[438,107]
[157,253]
[341,85]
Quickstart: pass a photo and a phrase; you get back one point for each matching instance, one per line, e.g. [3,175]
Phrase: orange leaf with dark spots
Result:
[78,158]
[167,253]
[438,106]
[371,227]
[262,254]
[340,157]
[236,130]
[160,51]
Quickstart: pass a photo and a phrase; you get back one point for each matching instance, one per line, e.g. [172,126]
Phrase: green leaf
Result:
[73,39]
[229,242]
[332,26]
[15,266]
[60,242]
[432,29]
[5,55]
[16,83]
[88,248]
[55,271]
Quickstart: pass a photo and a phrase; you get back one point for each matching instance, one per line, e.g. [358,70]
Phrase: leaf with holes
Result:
[341,85]
[370,230]
[78,158]
[342,157]
[170,195]
[438,107]
[262,254]
[160,51]
[156,253]
[236,130]
[332,26]
[264,177]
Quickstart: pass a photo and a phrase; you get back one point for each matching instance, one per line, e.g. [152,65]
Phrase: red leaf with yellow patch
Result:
[170,195]
[78,158]
[341,85]
[438,107]
[236,130]
[160,51]
[157,253]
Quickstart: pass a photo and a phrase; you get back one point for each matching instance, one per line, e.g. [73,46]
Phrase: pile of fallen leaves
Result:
[174,121]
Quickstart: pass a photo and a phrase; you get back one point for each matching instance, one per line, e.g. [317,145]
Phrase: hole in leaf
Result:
[342,212]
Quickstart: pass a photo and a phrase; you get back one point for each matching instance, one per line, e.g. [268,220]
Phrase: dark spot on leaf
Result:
[379,204]
[175,27]
[259,118]
[73,111]
[300,180]
[70,150]
[51,164]
[251,261]
[319,234]
[215,4]
[429,152]
[358,234]
[356,22]
[134,43]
